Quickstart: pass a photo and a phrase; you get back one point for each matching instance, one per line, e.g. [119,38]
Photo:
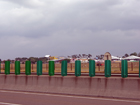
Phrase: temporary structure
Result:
[115,58]
[132,57]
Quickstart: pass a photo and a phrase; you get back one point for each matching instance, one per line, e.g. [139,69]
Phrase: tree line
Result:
[45,59]
[134,53]
[32,59]
[80,56]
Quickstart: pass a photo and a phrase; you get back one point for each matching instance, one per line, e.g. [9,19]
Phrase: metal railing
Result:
[116,67]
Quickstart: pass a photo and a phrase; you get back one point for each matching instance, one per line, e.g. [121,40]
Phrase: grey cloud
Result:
[26,3]
[63,27]
[72,16]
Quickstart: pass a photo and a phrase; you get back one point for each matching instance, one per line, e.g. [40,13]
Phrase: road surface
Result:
[30,98]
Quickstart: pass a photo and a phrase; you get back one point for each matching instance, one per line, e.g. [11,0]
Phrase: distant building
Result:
[84,60]
[72,60]
[61,57]
[107,56]
[53,58]
[47,56]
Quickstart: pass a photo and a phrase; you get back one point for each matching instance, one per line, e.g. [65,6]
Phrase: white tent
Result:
[115,58]
[132,57]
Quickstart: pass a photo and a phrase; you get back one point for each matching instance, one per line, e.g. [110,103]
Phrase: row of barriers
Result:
[107,69]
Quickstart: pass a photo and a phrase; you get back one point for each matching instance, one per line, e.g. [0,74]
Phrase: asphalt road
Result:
[28,98]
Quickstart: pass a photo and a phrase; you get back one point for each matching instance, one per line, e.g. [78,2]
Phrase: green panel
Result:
[28,67]
[51,68]
[39,67]
[139,68]
[91,68]
[17,67]
[64,68]
[77,68]
[7,67]
[107,68]
[124,69]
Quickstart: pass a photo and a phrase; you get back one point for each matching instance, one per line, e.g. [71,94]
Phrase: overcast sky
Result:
[35,28]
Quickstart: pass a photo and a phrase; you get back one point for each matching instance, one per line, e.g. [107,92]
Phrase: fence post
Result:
[124,71]
[7,67]
[77,68]
[11,66]
[32,66]
[120,66]
[71,66]
[131,66]
[139,68]
[28,67]
[17,67]
[107,68]
[4,66]
[64,68]
[51,68]
[91,68]
[39,67]
[0,65]
[20,67]
[99,66]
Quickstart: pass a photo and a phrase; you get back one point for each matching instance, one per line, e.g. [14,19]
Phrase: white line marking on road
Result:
[3,103]
[93,98]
